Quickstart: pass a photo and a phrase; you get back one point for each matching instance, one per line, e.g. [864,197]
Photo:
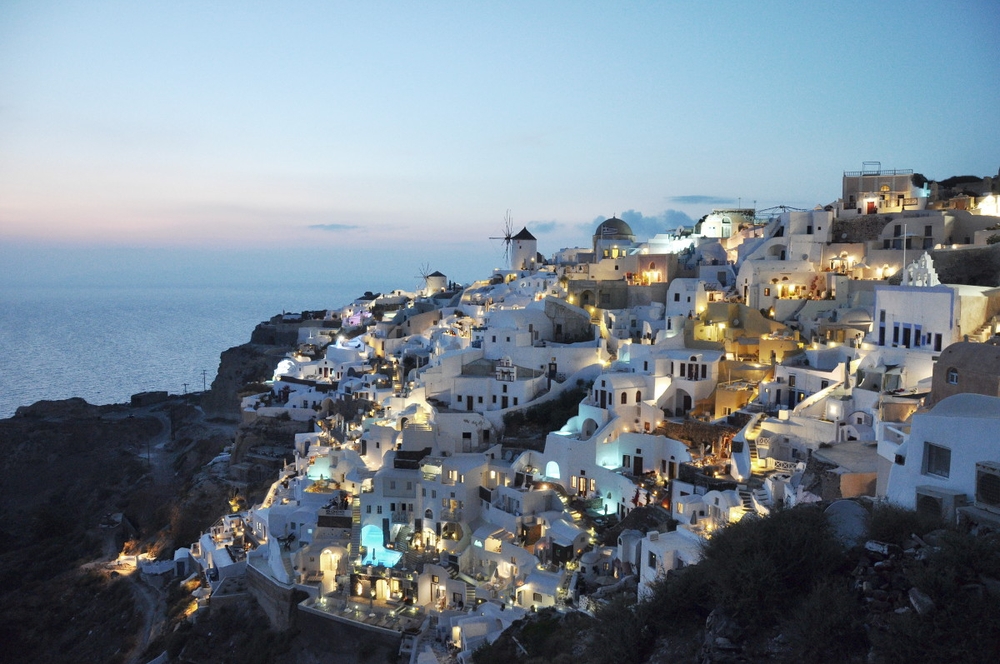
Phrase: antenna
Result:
[508,233]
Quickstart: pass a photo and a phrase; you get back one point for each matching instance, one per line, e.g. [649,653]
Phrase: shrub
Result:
[895,525]
[827,625]
[760,568]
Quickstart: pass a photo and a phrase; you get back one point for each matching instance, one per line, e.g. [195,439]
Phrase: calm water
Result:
[106,343]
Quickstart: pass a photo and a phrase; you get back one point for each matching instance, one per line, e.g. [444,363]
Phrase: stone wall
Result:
[277,602]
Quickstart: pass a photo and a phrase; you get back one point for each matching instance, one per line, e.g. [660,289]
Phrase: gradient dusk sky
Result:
[220,132]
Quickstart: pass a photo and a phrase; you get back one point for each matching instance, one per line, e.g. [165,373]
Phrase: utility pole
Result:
[185,388]
[204,384]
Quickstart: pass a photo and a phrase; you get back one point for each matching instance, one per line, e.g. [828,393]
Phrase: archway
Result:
[588,429]
[552,470]
[332,563]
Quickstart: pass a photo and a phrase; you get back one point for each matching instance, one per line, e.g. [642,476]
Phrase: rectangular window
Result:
[906,336]
[652,560]
[704,371]
[677,297]
[937,460]
[682,369]
[379,509]
[479,399]
[937,342]
[368,509]
[895,334]
[917,336]
[537,597]
[767,291]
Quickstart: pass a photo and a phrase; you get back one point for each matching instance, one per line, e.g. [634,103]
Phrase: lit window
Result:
[937,460]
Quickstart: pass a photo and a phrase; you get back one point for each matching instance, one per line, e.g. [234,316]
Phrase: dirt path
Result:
[151,602]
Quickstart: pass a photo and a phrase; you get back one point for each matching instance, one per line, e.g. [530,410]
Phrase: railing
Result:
[451,515]
[880,171]
[401,517]
[785,466]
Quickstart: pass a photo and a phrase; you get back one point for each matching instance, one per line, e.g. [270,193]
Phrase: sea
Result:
[105,343]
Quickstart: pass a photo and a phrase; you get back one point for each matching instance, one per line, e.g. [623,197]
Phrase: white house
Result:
[951,457]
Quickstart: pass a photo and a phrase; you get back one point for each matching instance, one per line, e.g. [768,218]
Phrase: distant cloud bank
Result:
[543,227]
[701,200]
[333,227]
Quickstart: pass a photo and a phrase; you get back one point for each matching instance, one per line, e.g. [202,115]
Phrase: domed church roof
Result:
[614,229]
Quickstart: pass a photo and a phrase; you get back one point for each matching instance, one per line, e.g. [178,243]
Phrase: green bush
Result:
[827,627]
[761,568]
[895,525]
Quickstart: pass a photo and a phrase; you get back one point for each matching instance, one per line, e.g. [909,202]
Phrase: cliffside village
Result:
[762,358]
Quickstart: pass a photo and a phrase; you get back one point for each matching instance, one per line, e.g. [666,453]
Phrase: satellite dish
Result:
[736,322]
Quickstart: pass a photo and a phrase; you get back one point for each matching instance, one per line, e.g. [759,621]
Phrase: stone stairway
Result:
[746,497]
[286,561]
[572,511]
[754,455]
[355,527]
[470,595]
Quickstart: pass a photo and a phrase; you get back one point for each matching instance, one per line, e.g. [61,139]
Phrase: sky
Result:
[203,141]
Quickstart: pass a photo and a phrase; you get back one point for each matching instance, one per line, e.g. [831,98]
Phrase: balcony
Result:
[451,515]
[402,517]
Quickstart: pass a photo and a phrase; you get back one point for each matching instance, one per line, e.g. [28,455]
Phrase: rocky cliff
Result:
[239,367]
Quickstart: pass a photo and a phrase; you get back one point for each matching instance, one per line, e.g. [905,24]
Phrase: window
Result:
[479,399]
[767,292]
[652,560]
[638,396]
[952,376]
[937,460]
[537,597]
[392,484]
[368,509]
[624,398]
[677,297]
[379,509]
